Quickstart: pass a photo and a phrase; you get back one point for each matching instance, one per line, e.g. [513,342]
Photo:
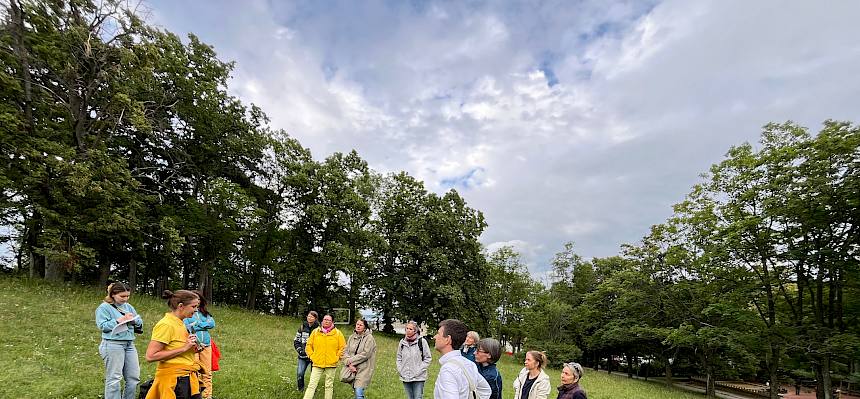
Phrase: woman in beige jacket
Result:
[360,357]
[533,382]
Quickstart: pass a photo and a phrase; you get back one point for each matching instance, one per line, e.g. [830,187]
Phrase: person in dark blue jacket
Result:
[469,346]
[486,355]
[299,342]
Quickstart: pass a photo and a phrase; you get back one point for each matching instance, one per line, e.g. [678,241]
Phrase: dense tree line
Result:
[755,276]
[125,157]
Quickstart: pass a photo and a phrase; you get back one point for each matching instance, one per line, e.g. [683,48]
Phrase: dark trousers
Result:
[301,367]
[183,389]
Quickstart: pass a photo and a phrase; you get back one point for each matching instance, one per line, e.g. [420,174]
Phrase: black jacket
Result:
[571,391]
[301,338]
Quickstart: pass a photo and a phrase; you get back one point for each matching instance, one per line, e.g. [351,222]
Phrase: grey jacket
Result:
[411,365]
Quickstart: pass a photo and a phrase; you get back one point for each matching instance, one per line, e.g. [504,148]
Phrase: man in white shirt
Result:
[457,373]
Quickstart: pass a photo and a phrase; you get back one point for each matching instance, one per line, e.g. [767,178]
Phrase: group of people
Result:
[180,343]
[187,355]
[468,363]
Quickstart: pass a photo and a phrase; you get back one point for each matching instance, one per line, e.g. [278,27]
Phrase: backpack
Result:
[421,341]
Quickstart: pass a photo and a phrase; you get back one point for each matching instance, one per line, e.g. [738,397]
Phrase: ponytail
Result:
[180,296]
[539,357]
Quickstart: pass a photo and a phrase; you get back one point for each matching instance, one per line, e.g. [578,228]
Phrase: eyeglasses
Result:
[481,350]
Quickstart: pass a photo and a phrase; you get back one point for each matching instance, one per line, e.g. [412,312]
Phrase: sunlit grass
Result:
[49,349]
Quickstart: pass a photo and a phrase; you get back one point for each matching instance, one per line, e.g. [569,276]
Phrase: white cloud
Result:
[560,123]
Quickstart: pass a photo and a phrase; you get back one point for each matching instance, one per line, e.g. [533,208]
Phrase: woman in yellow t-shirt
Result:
[174,348]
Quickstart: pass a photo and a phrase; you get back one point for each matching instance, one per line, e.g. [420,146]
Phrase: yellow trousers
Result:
[205,358]
[316,373]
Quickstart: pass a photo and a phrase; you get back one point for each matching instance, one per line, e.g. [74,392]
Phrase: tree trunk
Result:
[710,383]
[629,364]
[824,385]
[132,273]
[669,381]
[251,300]
[353,298]
[161,285]
[386,317]
[772,364]
[54,271]
[104,271]
[668,363]
[205,269]
[24,57]
[31,242]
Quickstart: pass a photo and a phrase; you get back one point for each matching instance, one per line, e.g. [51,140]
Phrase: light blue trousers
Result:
[414,389]
[120,358]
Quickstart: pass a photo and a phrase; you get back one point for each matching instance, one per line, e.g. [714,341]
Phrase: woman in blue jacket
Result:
[118,321]
[488,353]
[199,324]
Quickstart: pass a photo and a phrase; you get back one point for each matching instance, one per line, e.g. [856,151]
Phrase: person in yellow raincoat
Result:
[325,347]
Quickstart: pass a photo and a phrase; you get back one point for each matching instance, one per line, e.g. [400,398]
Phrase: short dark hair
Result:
[314,313]
[492,347]
[455,329]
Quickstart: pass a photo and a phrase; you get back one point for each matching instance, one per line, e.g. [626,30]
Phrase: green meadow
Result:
[49,349]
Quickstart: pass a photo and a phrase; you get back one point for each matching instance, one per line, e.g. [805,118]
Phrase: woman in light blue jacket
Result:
[199,324]
[118,322]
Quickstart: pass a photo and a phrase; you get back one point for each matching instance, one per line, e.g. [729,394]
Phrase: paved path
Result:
[806,393]
[701,390]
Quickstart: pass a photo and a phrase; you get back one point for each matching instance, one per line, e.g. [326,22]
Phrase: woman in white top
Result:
[533,382]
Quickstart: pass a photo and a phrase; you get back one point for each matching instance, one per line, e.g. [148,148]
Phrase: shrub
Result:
[556,353]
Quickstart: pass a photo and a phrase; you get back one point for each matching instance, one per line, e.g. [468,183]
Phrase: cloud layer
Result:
[561,121]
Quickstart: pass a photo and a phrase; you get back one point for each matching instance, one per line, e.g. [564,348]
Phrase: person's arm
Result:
[484,390]
[543,389]
[309,346]
[399,361]
[341,344]
[198,322]
[345,357]
[105,320]
[155,351]
[297,342]
[447,384]
[516,383]
[139,321]
[205,323]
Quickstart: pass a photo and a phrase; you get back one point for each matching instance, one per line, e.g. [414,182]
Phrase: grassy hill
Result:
[49,349]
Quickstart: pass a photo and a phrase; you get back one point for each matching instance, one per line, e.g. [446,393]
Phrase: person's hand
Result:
[191,341]
[353,369]
[124,318]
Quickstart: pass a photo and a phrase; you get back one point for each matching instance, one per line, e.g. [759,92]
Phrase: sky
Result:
[562,121]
